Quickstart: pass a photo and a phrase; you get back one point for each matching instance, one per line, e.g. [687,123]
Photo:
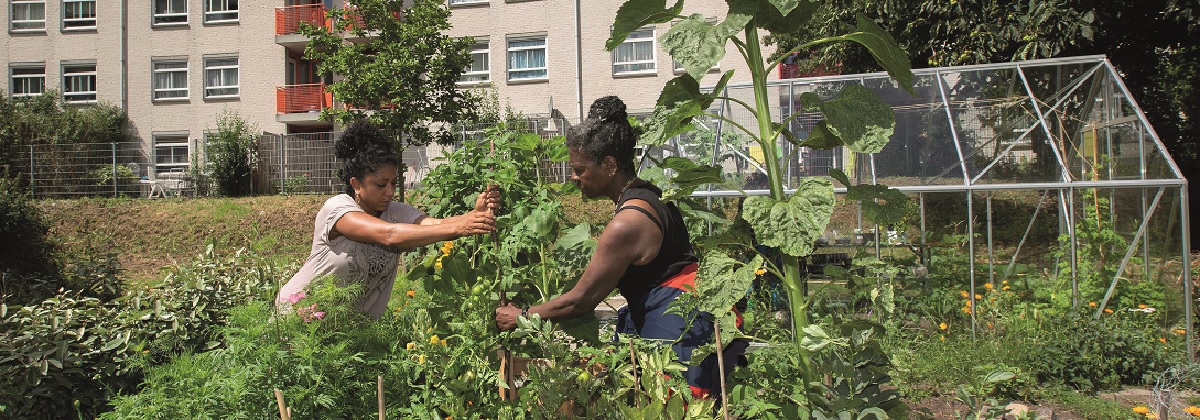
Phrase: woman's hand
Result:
[475,222]
[506,317]
[489,199]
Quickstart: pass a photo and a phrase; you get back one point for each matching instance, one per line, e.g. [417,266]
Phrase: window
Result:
[170,12]
[79,83]
[636,54]
[170,152]
[27,80]
[79,14]
[480,70]
[527,58]
[220,10]
[221,77]
[466,2]
[170,79]
[28,15]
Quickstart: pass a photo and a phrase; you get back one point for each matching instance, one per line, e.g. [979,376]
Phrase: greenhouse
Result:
[1041,167]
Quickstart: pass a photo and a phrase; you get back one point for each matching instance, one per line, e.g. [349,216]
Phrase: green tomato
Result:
[583,376]
[469,376]
[478,290]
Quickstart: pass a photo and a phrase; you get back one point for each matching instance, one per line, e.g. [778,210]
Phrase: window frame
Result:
[13,76]
[12,15]
[67,21]
[164,17]
[457,3]
[170,141]
[155,71]
[209,66]
[73,70]
[653,61]
[228,7]
[482,46]
[509,50]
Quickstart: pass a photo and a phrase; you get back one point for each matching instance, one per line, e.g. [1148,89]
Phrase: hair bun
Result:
[608,108]
[353,139]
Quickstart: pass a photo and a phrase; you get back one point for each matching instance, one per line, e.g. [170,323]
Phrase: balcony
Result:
[288,20]
[302,104]
[792,71]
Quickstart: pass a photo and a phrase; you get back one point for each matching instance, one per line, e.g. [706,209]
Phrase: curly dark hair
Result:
[605,132]
[363,149]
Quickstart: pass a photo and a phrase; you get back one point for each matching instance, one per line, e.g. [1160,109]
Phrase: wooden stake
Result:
[379,389]
[721,368]
[636,383]
[284,412]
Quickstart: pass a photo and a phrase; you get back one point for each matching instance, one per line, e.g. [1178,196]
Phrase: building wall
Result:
[250,38]
[497,20]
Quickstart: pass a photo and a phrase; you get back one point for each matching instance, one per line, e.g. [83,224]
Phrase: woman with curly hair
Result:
[358,236]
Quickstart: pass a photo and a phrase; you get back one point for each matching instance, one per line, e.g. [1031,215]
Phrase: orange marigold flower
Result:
[978,296]
[411,293]
[1092,304]
[989,325]
[1142,306]
[1162,339]
[411,345]
[1108,310]
[433,339]
[1004,282]
[1141,409]
[760,271]
[987,286]
[1180,331]
[963,293]
[943,326]
[1004,288]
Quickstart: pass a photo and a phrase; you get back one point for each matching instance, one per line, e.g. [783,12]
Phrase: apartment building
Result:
[176,65]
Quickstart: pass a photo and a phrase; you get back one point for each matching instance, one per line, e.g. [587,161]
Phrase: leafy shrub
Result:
[27,248]
[62,358]
[231,156]
[1088,354]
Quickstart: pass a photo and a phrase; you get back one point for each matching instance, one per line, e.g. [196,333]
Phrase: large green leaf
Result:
[821,138]
[722,280]
[635,14]
[793,225]
[679,102]
[770,16]
[699,45]
[858,117]
[885,50]
[689,175]
[890,211]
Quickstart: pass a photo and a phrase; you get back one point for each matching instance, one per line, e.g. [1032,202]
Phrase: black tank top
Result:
[674,254]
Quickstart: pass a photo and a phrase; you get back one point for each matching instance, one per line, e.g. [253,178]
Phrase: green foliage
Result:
[27,249]
[120,175]
[395,67]
[792,226]
[230,156]
[45,119]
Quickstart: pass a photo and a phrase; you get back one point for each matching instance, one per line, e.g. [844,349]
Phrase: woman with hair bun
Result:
[358,236]
[644,251]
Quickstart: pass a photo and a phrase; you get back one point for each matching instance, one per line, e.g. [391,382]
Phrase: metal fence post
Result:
[114,168]
[32,175]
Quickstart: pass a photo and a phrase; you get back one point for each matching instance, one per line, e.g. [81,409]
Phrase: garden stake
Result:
[379,390]
[506,365]
[721,369]
[284,411]
[636,384]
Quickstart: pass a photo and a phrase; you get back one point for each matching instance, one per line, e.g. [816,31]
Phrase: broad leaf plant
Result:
[855,118]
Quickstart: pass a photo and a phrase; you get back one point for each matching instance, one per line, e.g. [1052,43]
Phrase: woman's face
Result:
[375,191]
[592,178]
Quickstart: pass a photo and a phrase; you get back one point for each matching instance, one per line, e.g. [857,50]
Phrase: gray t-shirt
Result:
[373,266]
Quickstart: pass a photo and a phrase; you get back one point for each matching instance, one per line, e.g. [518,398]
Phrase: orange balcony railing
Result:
[288,18]
[792,71]
[302,98]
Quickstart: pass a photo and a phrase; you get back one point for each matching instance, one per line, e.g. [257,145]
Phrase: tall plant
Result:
[230,155]
[855,118]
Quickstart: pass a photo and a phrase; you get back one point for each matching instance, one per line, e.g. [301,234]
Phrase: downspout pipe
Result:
[578,62]
[124,36]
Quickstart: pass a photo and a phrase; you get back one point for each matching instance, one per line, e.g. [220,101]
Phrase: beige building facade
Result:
[175,66]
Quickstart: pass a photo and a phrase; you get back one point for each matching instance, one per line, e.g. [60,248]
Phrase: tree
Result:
[397,68]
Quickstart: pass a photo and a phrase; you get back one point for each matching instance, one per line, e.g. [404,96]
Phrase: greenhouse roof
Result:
[1038,124]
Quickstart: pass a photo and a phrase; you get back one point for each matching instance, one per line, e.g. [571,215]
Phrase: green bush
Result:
[230,155]
[28,263]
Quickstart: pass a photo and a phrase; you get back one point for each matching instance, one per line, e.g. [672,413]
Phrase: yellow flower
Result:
[447,247]
[968,303]
[1180,331]
[1142,306]
[1004,282]
[411,293]
[989,325]
[978,296]
[1162,339]
[943,338]
[1108,310]
[943,326]
[1141,409]
[1193,410]
[1004,288]
[760,271]
[443,342]
[963,293]
[1092,304]
[1151,416]
[967,309]
[437,264]
[421,359]
[987,286]
[433,339]
[410,345]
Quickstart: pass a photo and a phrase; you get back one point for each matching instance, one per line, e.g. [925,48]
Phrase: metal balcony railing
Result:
[302,98]
[288,18]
